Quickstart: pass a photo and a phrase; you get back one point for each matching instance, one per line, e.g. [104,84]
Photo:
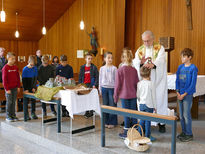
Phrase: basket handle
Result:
[133,127]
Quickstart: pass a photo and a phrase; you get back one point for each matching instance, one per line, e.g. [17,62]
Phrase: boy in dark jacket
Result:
[64,70]
[45,71]
[89,76]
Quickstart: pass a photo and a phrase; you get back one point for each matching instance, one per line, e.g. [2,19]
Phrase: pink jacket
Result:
[126,83]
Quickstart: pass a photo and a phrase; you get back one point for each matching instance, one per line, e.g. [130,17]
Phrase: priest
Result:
[152,55]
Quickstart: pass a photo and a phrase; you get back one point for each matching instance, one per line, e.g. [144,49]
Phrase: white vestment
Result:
[158,77]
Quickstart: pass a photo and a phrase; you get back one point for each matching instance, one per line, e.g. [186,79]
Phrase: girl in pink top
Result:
[126,88]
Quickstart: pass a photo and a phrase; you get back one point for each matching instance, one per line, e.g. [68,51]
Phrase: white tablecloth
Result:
[79,103]
[200,85]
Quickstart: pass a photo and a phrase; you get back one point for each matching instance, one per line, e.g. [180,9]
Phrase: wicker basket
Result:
[83,92]
[80,89]
[135,141]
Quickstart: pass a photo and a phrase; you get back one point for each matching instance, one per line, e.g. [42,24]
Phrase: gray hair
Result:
[148,32]
[2,49]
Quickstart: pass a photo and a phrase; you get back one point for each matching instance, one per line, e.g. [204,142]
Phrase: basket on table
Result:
[80,89]
[135,140]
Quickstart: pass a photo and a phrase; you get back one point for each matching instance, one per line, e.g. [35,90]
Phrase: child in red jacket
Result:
[11,82]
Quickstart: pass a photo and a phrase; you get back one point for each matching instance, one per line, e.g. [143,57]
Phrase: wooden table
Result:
[55,100]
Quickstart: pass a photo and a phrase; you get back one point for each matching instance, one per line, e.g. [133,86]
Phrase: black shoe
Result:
[64,114]
[186,138]
[34,116]
[181,135]
[86,115]
[90,114]
[162,128]
[67,114]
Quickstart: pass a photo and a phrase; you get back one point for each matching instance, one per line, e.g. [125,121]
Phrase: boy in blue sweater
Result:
[64,70]
[186,78]
[29,79]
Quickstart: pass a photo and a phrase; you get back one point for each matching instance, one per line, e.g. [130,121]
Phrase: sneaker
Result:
[162,128]
[181,135]
[9,119]
[123,135]
[15,118]
[28,118]
[54,113]
[34,116]
[152,139]
[187,138]
[44,114]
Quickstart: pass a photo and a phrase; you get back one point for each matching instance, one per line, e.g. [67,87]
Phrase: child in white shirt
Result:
[146,99]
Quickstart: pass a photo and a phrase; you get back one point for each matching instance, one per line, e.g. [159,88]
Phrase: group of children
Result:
[113,84]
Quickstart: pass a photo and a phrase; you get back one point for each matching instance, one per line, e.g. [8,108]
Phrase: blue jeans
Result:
[146,125]
[107,95]
[129,104]
[185,114]
[51,106]
[25,105]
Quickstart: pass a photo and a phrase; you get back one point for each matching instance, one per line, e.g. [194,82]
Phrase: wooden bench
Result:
[170,120]
[3,97]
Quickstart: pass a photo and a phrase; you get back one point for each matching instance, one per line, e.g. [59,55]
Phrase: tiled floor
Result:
[32,137]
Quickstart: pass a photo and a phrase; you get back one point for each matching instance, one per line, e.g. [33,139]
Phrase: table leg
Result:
[25,109]
[59,116]
[102,130]
[93,118]
[42,117]
[173,146]
[71,125]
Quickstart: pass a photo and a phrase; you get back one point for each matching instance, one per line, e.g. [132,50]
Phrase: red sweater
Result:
[126,80]
[10,76]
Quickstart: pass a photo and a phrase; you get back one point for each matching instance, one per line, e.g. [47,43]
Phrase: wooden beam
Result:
[140,113]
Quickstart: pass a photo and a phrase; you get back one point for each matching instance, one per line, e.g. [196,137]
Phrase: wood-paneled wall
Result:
[65,36]
[168,18]
[20,48]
